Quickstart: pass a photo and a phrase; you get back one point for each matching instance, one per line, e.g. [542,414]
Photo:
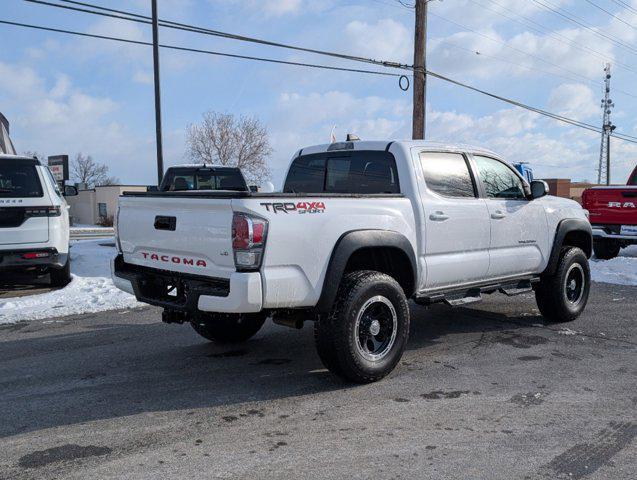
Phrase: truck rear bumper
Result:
[31,258]
[242,293]
[599,232]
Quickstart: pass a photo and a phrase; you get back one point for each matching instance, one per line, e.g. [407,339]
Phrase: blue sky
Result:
[66,94]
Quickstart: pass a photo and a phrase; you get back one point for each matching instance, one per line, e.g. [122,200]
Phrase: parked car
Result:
[203,177]
[613,215]
[34,220]
[360,228]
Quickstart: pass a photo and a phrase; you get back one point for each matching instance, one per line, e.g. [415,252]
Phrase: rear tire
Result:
[562,297]
[227,327]
[365,335]
[61,277]
[606,249]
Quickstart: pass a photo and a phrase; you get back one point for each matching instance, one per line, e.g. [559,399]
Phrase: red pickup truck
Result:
[613,216]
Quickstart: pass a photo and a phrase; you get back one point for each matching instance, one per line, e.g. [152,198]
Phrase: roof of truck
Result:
[385,144]
[5,156]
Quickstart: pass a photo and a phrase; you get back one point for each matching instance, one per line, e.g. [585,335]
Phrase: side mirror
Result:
[539,188]
[70,191]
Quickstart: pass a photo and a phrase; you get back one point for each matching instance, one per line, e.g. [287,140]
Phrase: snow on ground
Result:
[621,270]
[91,289]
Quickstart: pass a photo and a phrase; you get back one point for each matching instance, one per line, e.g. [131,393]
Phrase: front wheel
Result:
[227,327]
[365,335]
[562,297]
[606,249]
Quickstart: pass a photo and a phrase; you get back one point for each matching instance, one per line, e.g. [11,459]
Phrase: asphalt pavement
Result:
[487,392]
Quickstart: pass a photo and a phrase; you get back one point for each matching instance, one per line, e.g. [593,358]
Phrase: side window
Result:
[498,179]
[447,174]
[306,175]
[362,172]
[53,181]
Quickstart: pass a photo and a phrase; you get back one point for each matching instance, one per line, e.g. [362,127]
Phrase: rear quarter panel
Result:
[299,245]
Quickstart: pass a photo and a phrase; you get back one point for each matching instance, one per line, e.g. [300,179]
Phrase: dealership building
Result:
[98,205]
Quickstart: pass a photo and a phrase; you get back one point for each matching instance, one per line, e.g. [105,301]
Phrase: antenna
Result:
[603,169]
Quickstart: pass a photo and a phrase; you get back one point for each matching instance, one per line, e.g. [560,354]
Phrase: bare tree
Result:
[86,170]
[223,139]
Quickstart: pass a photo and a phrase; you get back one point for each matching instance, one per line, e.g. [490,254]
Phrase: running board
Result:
[466,296]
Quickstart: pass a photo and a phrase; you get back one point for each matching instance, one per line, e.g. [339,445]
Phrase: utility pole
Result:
[603,168]
[160,151]
[420,68]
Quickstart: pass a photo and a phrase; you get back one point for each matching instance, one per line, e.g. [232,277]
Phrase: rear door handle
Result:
[438,217]
[498,215]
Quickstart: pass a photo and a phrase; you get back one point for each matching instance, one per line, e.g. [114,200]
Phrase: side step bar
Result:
[465,296]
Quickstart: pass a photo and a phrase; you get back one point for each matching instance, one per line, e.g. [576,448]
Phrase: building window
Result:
[101,209]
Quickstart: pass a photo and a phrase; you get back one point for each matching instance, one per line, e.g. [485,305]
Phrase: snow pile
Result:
[621,270]
[90,291]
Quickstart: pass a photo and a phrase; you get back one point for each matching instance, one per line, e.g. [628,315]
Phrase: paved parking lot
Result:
[482,392]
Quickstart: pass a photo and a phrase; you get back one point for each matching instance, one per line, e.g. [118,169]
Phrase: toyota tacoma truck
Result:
[359,229]
[613,215]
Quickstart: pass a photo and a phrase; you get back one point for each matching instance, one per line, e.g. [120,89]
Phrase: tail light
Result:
[248,241]
[43,211]
[35,255]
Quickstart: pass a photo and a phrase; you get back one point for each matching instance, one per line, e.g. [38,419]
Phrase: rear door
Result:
[456,222]
[24,204]
[519,231]
[177,233]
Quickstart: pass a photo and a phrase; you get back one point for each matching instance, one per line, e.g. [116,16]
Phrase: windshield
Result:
[198,178]
[19,179]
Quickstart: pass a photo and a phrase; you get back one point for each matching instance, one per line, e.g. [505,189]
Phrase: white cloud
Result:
[64,119]
[386,39]
[574,100]
[143,77]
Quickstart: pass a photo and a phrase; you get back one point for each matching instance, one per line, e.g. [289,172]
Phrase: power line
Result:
[546,113]
[133,17]
[582,23]
[505,44]
[590,2]
[539,28]
[124,15]
[624,5]
[196,50]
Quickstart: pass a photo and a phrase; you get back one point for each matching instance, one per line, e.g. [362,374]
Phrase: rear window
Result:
[19,179]
[365,172]
[184,179]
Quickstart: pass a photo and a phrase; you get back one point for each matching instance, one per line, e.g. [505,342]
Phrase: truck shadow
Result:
[113,369]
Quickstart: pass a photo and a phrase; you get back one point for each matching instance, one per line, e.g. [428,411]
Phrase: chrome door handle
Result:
[498,215]
[438,217]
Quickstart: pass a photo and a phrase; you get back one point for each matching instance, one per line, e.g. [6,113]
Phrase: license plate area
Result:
[165,289]
[628,230]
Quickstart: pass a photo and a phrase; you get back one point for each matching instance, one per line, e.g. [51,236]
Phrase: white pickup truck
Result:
[360,228]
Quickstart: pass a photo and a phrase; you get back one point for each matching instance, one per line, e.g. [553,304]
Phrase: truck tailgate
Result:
[612,205]
[188,235]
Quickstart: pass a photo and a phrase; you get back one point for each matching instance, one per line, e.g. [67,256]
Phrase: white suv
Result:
[34,220]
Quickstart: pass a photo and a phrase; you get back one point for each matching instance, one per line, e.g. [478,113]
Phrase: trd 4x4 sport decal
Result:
[299,207]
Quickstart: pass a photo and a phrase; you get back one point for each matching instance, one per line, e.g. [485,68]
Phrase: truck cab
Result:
[34,220]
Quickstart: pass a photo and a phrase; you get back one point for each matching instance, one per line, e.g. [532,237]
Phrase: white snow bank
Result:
[621,270]
[90,291]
